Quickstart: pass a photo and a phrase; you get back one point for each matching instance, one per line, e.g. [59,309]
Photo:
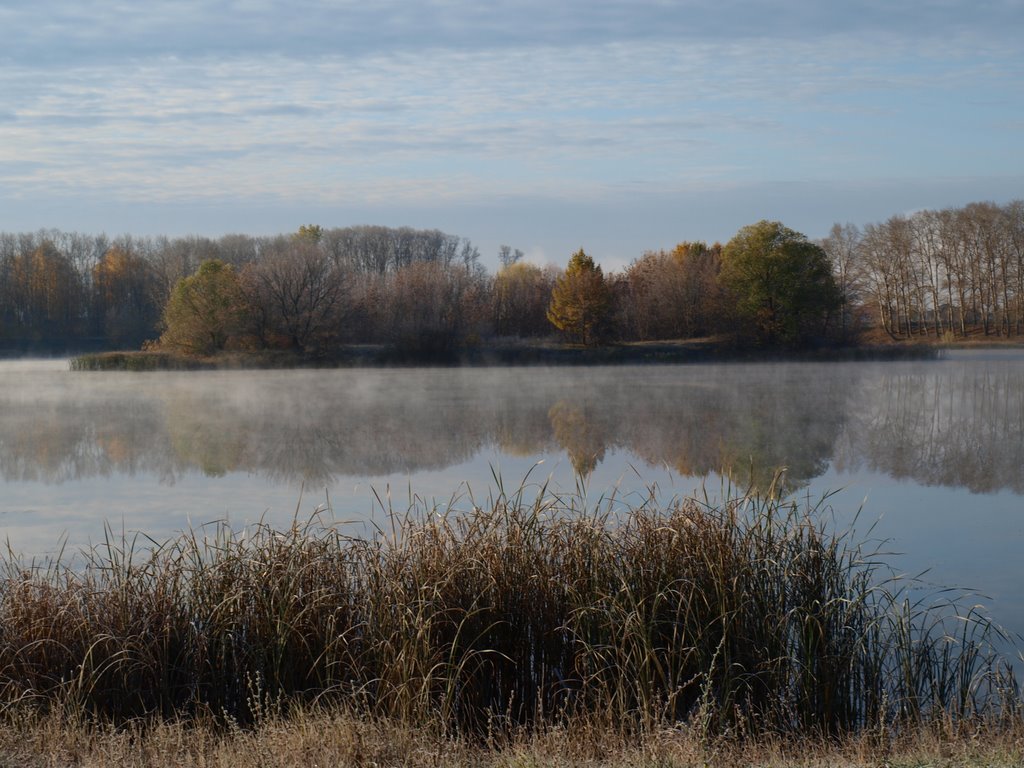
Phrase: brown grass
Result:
[524,615]
[339,738]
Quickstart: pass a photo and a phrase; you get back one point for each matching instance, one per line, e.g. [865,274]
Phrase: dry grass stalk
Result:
[744,619]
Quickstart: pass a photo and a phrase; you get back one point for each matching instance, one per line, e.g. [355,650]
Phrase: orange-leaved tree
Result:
[580,300]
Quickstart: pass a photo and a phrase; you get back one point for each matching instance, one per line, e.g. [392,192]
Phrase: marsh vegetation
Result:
[525,610]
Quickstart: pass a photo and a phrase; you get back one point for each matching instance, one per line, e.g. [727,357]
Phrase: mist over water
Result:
[936,448]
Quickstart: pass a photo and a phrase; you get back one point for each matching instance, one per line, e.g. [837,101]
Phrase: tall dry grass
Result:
[748,617]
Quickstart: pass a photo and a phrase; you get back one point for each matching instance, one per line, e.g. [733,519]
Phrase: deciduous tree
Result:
[521,295]
[122,297]
[297,294]
[782,282]
[671,294]
[45,295]
[842,246]
[580,299]
[508,257]
[206,310]
[432,308]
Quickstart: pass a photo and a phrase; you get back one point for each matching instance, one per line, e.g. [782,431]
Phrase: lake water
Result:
[932,451]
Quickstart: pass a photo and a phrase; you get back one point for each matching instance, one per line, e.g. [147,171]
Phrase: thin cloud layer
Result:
[111,30]
[407,104]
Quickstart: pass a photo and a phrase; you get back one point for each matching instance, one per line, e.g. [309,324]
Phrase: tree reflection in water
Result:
[953,423]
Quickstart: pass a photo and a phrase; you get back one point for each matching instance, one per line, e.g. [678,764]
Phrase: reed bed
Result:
[530,611]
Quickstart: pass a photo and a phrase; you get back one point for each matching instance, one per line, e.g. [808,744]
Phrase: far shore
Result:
[514,353]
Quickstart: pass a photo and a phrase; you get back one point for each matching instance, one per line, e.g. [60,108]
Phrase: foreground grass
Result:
[342,739]
[526,621]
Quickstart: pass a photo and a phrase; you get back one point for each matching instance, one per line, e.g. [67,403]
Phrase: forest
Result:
[949,274]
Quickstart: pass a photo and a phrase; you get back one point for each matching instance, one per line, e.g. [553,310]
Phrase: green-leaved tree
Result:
[205,311]
[782,283]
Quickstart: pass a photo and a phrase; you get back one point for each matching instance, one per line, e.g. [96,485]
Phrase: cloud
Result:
[530,106]
[95,31]
[17,168]
[584,120]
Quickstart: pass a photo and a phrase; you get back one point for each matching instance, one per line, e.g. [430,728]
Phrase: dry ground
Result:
[341,740]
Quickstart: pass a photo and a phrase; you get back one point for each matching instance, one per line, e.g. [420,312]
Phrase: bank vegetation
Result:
[950,275]
[526,617]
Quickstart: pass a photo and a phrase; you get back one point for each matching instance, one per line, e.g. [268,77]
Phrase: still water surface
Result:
[933,452]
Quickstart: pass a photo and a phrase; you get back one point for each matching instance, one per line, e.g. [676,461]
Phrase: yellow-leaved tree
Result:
[580,300]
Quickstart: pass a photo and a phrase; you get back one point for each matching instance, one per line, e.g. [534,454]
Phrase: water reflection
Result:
[962,428]
[953,423]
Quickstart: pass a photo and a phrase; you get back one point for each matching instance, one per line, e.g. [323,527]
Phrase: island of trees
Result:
[947,275]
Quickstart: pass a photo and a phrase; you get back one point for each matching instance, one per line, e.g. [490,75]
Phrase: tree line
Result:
[425,292]
[954,272]
[63,290]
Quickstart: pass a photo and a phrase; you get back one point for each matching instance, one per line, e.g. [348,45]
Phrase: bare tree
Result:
[297,294]
[842,246]
[957,270]
[507,257]
[432,309]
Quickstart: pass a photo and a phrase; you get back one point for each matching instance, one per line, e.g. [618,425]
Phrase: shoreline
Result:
[512,355]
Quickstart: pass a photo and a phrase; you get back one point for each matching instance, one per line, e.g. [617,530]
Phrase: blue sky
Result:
[616,126]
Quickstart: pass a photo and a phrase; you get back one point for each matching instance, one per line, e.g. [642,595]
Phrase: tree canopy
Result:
[782,282]
[952,273]
[521,293]
[296,295]
[580,299]
[205,310]
[124,309]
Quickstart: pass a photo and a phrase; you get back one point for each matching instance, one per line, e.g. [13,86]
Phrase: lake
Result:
[932,453]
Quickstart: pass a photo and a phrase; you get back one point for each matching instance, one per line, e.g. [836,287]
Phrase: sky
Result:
[549,125]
